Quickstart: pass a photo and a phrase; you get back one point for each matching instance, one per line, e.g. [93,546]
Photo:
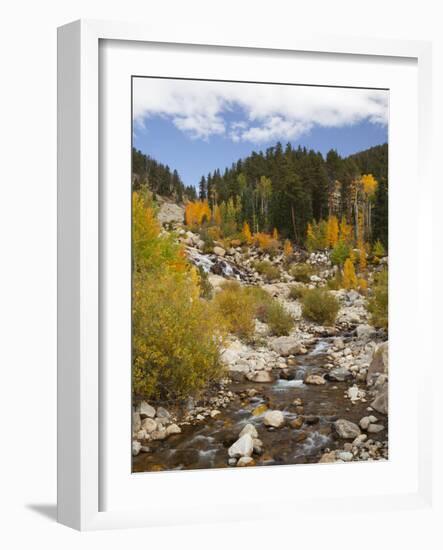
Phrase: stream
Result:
[206,445]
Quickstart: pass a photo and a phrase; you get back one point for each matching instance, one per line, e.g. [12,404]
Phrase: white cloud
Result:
[268,112]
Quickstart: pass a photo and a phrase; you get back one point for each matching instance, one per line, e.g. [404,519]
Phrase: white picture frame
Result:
[80,395]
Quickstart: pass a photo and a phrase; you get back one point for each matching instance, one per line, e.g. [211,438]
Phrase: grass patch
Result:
[320,306]
[267,270]
[302,273]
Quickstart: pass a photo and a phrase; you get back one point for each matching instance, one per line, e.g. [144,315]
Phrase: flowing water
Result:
[206,445]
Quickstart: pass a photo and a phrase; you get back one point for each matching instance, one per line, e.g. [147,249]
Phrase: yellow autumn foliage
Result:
[349,276]
[332,231]
[176,335]
[246,232]
[287,248]
[197,212]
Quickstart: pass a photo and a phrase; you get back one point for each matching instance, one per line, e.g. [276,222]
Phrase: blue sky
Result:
[196,127]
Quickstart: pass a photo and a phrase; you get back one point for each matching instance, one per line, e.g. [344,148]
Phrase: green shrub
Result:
[340,253]
[336,283]
[176,337]
[208,240]
[320,306]
[296,292]
[301,272]
[280,322]
[237,309]
[378,303]
[268,271]
[206,290]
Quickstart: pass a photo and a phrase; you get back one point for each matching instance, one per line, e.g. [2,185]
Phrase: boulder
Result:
[380,403]
[315,380]
[163,413]
[346,429]
[149,425]
[339,374]
[244,446]
[136,446]
[327,458]
[246,461]
[365,331]
[379,363]
[275,419]
[263,376]
[249,429]
[219,251]
[158,435]
[173,429]
[364,423]
[375,428]
[297,423]
[286,345]
[345,455]
[145,410]
[359,440]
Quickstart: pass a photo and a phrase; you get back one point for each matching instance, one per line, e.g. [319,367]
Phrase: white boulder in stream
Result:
[249,429]
[145,410]
[263,376]
[346,429]
[286,345]
[244,446]
[274,419]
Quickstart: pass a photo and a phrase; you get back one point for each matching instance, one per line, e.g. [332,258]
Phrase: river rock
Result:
[173,429]
[249,429]
[286,345]
[245,461]
[260,409]
[315,380]
[219,251]
[145,410]
[327,458]
[380,403]
[263,376]
[258,446]
[379,363]
[136,446]
[365,331]
[274,419]
[339,374]
[364,423]
[297,423]
[375,428]
[338,343]
[244,446]
[163,413]
[158,435]
[345,455]
[346,429]
[149,425]
[359,440]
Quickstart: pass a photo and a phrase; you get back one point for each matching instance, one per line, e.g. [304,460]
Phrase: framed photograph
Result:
[233,269]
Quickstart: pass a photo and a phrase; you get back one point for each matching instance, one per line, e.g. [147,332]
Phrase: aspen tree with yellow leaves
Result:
[287,248]
[332,231]
[246,232]
[349,276]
